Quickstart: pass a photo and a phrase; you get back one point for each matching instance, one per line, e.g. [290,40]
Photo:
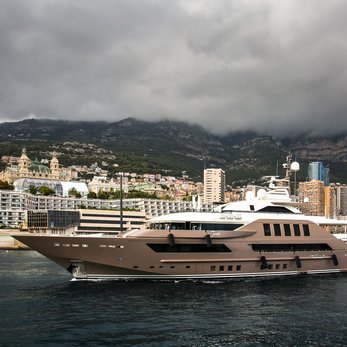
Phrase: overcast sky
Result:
[274,66]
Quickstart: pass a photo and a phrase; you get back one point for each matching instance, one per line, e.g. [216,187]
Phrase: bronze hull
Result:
[140,255]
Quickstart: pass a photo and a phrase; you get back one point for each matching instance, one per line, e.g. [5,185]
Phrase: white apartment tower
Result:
[214,186]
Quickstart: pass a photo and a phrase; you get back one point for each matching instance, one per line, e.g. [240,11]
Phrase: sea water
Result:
[41,306]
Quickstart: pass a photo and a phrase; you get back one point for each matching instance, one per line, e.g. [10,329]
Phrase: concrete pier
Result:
[8,242]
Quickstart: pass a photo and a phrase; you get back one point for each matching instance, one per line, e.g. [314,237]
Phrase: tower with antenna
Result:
[291,167]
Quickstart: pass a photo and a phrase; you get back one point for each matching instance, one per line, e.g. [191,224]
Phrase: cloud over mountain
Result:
[270,66]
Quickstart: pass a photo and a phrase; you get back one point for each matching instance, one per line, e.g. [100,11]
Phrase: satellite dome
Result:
[295,166]
[261,193]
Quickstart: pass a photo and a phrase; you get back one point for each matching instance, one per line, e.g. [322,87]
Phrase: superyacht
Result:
[263,236]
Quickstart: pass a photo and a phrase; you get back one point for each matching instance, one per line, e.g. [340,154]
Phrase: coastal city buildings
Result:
[214,186]
[26,168]
[168,193]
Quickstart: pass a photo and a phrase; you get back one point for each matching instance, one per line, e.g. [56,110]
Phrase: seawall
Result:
[8,242]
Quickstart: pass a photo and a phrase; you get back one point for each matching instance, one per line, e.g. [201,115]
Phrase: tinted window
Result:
[267,231]
[291,247]
[287,230]
[277,228]
[296,229]
[188,248]
[306,230]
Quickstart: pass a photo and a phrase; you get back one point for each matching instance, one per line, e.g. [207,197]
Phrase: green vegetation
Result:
[45,191]
[73,192]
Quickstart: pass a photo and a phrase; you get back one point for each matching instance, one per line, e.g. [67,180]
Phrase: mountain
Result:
[170,147]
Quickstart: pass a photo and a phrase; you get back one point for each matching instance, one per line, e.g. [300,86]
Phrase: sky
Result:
[275,67]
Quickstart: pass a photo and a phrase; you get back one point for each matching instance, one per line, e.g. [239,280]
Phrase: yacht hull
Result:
[220,255]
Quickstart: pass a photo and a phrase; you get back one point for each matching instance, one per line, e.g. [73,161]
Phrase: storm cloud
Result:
[276,67]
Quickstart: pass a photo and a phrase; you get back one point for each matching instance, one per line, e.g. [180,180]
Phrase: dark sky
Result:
[274,66]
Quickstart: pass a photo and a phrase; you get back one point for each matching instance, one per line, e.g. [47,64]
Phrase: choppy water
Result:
[40,306]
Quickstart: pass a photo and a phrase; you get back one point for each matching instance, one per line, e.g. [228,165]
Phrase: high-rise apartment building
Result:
[317,171]
[214,186]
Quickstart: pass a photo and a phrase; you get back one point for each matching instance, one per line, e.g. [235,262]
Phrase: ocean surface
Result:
[40,306]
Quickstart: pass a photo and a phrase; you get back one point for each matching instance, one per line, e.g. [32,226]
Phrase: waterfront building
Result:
[109,221]
[83,221]
[312,198]
[214,186]
[13,205]
[26,168]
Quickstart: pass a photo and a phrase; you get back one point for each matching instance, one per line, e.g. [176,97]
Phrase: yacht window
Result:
[296,229]
[277,228]
[287,231]
[290,247]
[229,226]
[306,230]
[188,248]
[275,209]
[251,207]
[267,230]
